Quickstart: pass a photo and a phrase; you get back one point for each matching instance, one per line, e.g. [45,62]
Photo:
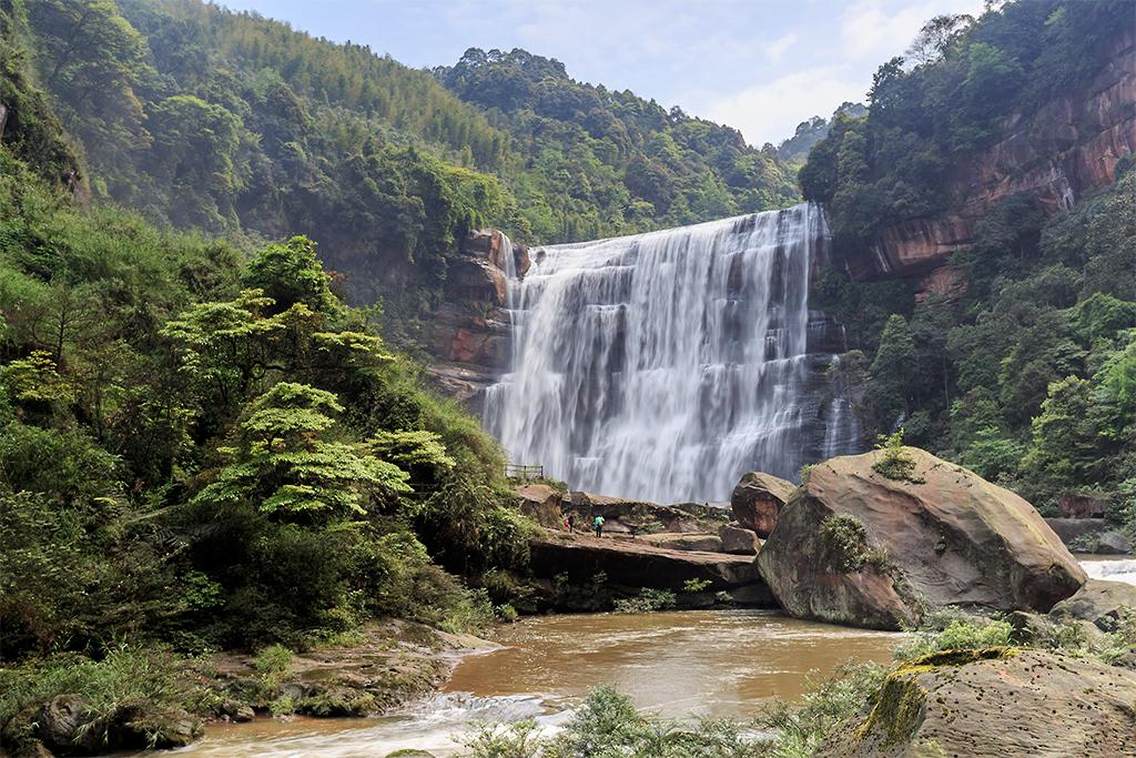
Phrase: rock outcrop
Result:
[1064,150]
[641,517]
[470,337]
[738,540]
[542,504]
[855,547]
[633,563]
[998,702]
[757,499]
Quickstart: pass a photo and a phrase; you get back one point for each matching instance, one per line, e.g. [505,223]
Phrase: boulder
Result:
[1113,542]
[738,540]
[1099,601]
[855,547]
[707,543]
[757,499]
[541,503]
[997,702]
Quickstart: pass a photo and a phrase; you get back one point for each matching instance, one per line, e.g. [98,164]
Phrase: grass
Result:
[150,680]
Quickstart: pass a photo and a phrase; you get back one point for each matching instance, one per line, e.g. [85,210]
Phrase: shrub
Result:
[895,463]
[126,678]
[646,601]
[950,629]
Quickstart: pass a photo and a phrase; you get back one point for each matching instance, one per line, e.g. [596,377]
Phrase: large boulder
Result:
[757,499]
[997,702]
[855,547]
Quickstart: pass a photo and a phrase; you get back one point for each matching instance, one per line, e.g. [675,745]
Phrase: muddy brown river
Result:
[705,663]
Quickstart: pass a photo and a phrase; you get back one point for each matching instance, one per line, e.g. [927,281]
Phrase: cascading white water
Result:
[664,365]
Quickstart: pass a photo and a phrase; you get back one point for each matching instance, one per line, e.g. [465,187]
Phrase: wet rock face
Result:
[854,547]
[1069,147]
[757,500]
[998,702]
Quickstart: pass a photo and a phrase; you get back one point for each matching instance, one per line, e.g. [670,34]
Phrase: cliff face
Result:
[470,336]
[1059,153]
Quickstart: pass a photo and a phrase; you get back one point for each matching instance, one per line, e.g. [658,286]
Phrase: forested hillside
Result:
[601,162]
[230,122]
[202,446]
[1024,370]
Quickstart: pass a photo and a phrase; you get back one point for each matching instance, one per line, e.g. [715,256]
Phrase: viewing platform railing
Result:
[518,471]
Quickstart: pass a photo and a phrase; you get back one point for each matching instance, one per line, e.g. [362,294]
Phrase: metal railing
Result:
[518,471]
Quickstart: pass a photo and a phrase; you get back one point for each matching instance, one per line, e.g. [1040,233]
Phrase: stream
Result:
[677,664]
[705,663]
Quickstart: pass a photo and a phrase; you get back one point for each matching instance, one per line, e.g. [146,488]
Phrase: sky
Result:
[761,66]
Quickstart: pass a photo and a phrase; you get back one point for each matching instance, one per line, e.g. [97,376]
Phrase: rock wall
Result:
[1063,151]
[470,336]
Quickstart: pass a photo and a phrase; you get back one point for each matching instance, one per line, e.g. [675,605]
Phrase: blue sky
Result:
[761,66]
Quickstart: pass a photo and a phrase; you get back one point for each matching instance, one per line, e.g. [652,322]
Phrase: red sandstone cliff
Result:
[1064,150]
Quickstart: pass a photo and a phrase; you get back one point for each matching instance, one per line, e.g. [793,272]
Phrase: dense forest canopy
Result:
[200,443]
[230,122]
[1027,376]
[611,162]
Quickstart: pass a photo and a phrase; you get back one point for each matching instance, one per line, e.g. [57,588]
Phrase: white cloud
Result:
[769,112]
[871,29]
[777,48]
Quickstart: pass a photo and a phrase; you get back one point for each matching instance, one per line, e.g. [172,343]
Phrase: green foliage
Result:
[288,463]
[895,462]
[845,543]
[125,680]
[607,724]
[827,706]
[647,601]
[696,585]
[945,103]
[949,630]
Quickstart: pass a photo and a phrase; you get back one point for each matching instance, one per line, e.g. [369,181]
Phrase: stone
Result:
[1100,601]
[855,547]
[1077,530]
[61,726]
[707,543]
[997,702]
[739,540]
[542,504]
[757,499]
[1113,542]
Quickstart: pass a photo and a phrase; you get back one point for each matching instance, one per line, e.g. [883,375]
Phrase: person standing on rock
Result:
[598,523]
[570,522]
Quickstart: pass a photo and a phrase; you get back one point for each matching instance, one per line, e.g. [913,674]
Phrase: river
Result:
[712,663]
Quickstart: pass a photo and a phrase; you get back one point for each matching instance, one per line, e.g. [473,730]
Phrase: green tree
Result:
[287,461]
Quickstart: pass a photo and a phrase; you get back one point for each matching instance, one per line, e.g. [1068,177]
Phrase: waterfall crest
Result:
[664,365]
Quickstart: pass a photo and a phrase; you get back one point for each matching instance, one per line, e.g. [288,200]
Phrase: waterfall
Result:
[664,365]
